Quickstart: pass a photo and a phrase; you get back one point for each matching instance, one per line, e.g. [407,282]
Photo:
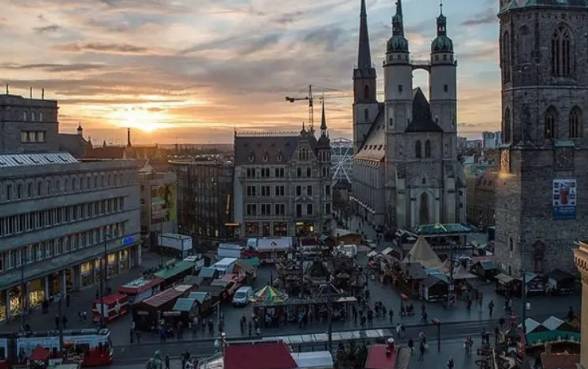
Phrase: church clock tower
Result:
[542,188]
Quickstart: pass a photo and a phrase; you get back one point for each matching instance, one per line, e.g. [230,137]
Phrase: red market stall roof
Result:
[111,299]
[139,285]
[378,358]
[40,354]
[267,355]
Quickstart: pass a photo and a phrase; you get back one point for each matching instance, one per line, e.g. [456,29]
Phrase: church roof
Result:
[421,115]
[374,147]
[517,4]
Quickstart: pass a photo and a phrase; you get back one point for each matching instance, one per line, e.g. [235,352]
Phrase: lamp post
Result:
[437,322]
[103,278]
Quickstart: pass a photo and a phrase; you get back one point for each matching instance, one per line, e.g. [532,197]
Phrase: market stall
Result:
[434,289]
[141,288]
[507,285]
[561,283]
[112,306]
[534,284]
[148,313]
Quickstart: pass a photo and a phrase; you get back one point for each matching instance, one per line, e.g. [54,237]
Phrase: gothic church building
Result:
[405,168]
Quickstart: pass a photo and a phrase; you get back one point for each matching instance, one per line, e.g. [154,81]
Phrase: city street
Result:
[457,322]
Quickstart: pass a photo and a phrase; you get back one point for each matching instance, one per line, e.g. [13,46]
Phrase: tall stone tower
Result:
[365,104]
[581,260]
[542,189]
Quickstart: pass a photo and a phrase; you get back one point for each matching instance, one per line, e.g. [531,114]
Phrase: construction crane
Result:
[310,98]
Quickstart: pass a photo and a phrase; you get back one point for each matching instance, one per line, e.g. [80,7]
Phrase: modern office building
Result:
[60,217]
[205,198]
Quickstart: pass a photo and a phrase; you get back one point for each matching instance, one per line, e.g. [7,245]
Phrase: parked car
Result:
[242,296]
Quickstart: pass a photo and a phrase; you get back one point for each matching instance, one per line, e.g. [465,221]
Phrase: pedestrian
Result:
[166,361]
[490,307]
[424,317]
[64,320]
[422,349]
[56,321]
[411,345]
[450,363]
[85,315]
[258,332]
[391,314]
[469,304]
[398,329]
[131,335]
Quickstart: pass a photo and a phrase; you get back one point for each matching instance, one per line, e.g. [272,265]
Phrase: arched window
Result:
[506,64]
[576,123]
[427,149]
[561,52]
[507,128]
[366,92]
[417,150]
[424,209]
[550,123]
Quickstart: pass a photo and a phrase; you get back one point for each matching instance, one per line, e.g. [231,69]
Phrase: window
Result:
[251,191]
[427,149]
[279,172]
[265,191]
[366,92]
[446,88]
[308,172]
[400,89]
[266,209]
[366,115]
[561,52]
[298,190]
[251,209]
[280,209]
[298,210]
[328,190]
[550,123]
[309,190]
[576,123]
[507,128]
[327,209]
[417,150]
[308,209]
[506,65]
[280,191]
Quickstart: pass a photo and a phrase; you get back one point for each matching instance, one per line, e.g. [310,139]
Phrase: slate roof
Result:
[374,147]
[268,148]
[422,120]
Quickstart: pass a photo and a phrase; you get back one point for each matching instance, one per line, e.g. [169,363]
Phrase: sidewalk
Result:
[79,301]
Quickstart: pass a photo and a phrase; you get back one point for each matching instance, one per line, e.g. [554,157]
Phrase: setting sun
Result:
[138,117]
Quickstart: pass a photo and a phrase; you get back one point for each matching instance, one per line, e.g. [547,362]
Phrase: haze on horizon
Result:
[192,71]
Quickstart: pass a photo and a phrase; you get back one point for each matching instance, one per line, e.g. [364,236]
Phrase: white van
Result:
[242,296]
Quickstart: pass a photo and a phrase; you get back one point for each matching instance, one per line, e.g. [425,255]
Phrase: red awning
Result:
[40,354]
[111,299]
[270,355]
[379,358]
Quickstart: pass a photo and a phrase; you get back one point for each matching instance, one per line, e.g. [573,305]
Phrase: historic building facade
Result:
[405,169]
[282,184]
[542,207]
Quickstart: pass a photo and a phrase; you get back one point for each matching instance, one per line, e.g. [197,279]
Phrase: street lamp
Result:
[107,236]
[437,322]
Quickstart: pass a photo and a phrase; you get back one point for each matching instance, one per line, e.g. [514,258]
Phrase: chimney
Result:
[129,137]
[31,92]
[42,94]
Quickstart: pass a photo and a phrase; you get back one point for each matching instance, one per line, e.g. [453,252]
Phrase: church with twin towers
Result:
[405,168]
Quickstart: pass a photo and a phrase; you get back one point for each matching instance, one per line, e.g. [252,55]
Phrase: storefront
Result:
[87,274]
[304,229]
[123,261]
[280,229]
[266,229]
[251,229]
[15,300]
[36,291]
[2,305]
[111,266]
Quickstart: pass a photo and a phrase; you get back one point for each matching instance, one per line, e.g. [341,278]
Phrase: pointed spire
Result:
[397,21]
[323,121]
[303,129]
[364,58]
[441,22]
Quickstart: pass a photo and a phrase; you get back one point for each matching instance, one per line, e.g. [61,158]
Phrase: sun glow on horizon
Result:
[143,118]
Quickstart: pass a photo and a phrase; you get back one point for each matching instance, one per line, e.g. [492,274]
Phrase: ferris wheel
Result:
[341,160]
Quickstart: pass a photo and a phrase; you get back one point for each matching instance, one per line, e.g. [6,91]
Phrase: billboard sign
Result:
[163,203]
[564,199]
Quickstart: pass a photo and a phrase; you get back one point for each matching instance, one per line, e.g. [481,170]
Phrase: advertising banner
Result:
[564,199]
[163,203]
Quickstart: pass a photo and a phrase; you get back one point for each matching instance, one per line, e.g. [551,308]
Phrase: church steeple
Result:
[323,122]
[397,21]
[398,43]
[364,57]
[442,44]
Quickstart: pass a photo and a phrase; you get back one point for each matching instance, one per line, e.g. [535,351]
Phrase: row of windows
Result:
[561,54]
[550,124]
[45,250]
[36,220]
[32,137]
[265,172]
[22,189]
[280,209]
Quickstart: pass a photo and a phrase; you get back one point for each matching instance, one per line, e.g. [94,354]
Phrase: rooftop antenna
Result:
[441,6]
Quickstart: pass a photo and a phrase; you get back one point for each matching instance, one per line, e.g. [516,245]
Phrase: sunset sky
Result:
[190,71]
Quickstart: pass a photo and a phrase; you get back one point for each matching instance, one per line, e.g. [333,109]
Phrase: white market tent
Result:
[423,254]
[313,360]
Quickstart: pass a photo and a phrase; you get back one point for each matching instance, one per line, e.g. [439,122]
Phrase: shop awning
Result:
[177,268]
[139,285]
[503,278]
[199,296]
